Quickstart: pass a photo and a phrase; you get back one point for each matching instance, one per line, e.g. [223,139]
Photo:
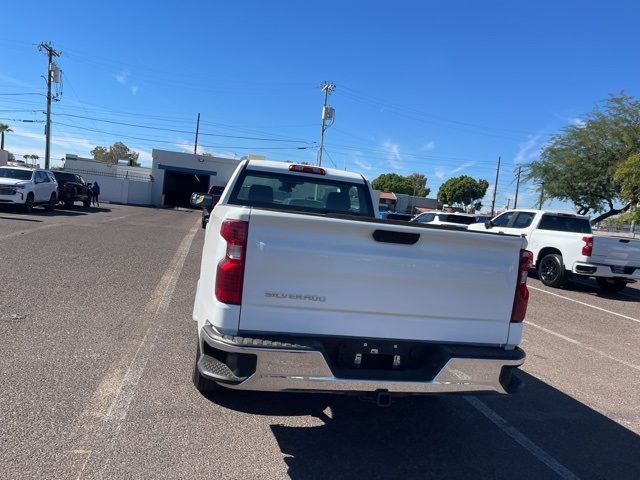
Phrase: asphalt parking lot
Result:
[96,352]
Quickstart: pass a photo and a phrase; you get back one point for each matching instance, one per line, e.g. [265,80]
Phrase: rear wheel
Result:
[51,203]
[202,384]
[551,271]
[28,204]
[611,284]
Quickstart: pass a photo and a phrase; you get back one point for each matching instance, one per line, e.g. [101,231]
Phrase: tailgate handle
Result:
[389,236]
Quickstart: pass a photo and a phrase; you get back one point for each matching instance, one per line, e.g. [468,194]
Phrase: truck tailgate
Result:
[618,251]
[315,275]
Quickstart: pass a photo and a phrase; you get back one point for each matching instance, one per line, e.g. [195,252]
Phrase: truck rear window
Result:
[562,223]
[64,177]
[304,193]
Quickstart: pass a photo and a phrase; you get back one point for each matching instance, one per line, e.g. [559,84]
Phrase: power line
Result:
[20,94]
[173,130]
[154,140]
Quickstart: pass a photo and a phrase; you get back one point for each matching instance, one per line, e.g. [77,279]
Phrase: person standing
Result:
[90,192]
[96,192]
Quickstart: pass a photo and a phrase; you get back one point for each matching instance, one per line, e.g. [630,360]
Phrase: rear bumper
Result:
[267,365]
[606,271]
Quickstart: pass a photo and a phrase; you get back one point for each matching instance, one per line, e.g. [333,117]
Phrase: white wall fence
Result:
[125,187]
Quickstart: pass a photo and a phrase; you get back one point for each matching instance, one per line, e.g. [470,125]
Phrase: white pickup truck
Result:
[564,245]
[302,289]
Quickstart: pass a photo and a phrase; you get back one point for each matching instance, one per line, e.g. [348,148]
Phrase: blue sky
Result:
[439,88]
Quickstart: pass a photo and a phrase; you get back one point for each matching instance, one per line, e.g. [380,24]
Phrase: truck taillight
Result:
[587,250]
[307,169]
[521,298]
[230,273]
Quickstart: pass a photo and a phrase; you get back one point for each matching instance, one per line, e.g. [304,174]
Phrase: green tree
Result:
[463,191]
[34,158]
[117,151]
[4,128]
[579,164]
[419,185]
[628,177]
[392,182]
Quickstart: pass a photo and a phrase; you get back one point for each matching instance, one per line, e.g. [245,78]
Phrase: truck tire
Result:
[49,206]
[202,384]
[28,204]
[551,271]
[611,285]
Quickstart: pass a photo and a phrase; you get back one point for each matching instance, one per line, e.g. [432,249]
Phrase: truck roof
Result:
[283,167]
[28,169]
[554,212]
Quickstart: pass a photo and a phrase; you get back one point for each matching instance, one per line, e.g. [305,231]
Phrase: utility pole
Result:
[51,53]
[515,202]
[541,196]
[195,146]
[509,203]
[327,114]
[495,190]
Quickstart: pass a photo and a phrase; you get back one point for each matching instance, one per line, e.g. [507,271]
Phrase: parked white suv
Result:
[459,220]
[28,187]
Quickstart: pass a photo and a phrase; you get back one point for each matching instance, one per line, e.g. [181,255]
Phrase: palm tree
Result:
[26,158]
[34,158]
[3,128]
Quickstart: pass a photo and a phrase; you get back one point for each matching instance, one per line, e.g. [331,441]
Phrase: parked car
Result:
[72,188]
[482,218]
[459,220]
[215,191]
[27,187]
[563,244]
[296,296]
[398,216]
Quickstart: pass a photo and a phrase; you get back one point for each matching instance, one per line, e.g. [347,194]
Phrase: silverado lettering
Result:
[296,296]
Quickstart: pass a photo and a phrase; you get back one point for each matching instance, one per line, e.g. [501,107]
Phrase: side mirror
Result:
[202,200]
[488,224]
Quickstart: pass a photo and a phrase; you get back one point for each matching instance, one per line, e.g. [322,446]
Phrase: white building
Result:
[170,181]
[118,183]
[176,175]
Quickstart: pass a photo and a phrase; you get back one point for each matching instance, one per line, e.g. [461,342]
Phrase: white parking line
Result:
[120,406]
[585,304]
[100,442]
[580,344]
[29,230]
[521,438]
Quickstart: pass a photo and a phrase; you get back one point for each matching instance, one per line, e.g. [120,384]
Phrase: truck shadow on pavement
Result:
[590,287]
[444,437]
